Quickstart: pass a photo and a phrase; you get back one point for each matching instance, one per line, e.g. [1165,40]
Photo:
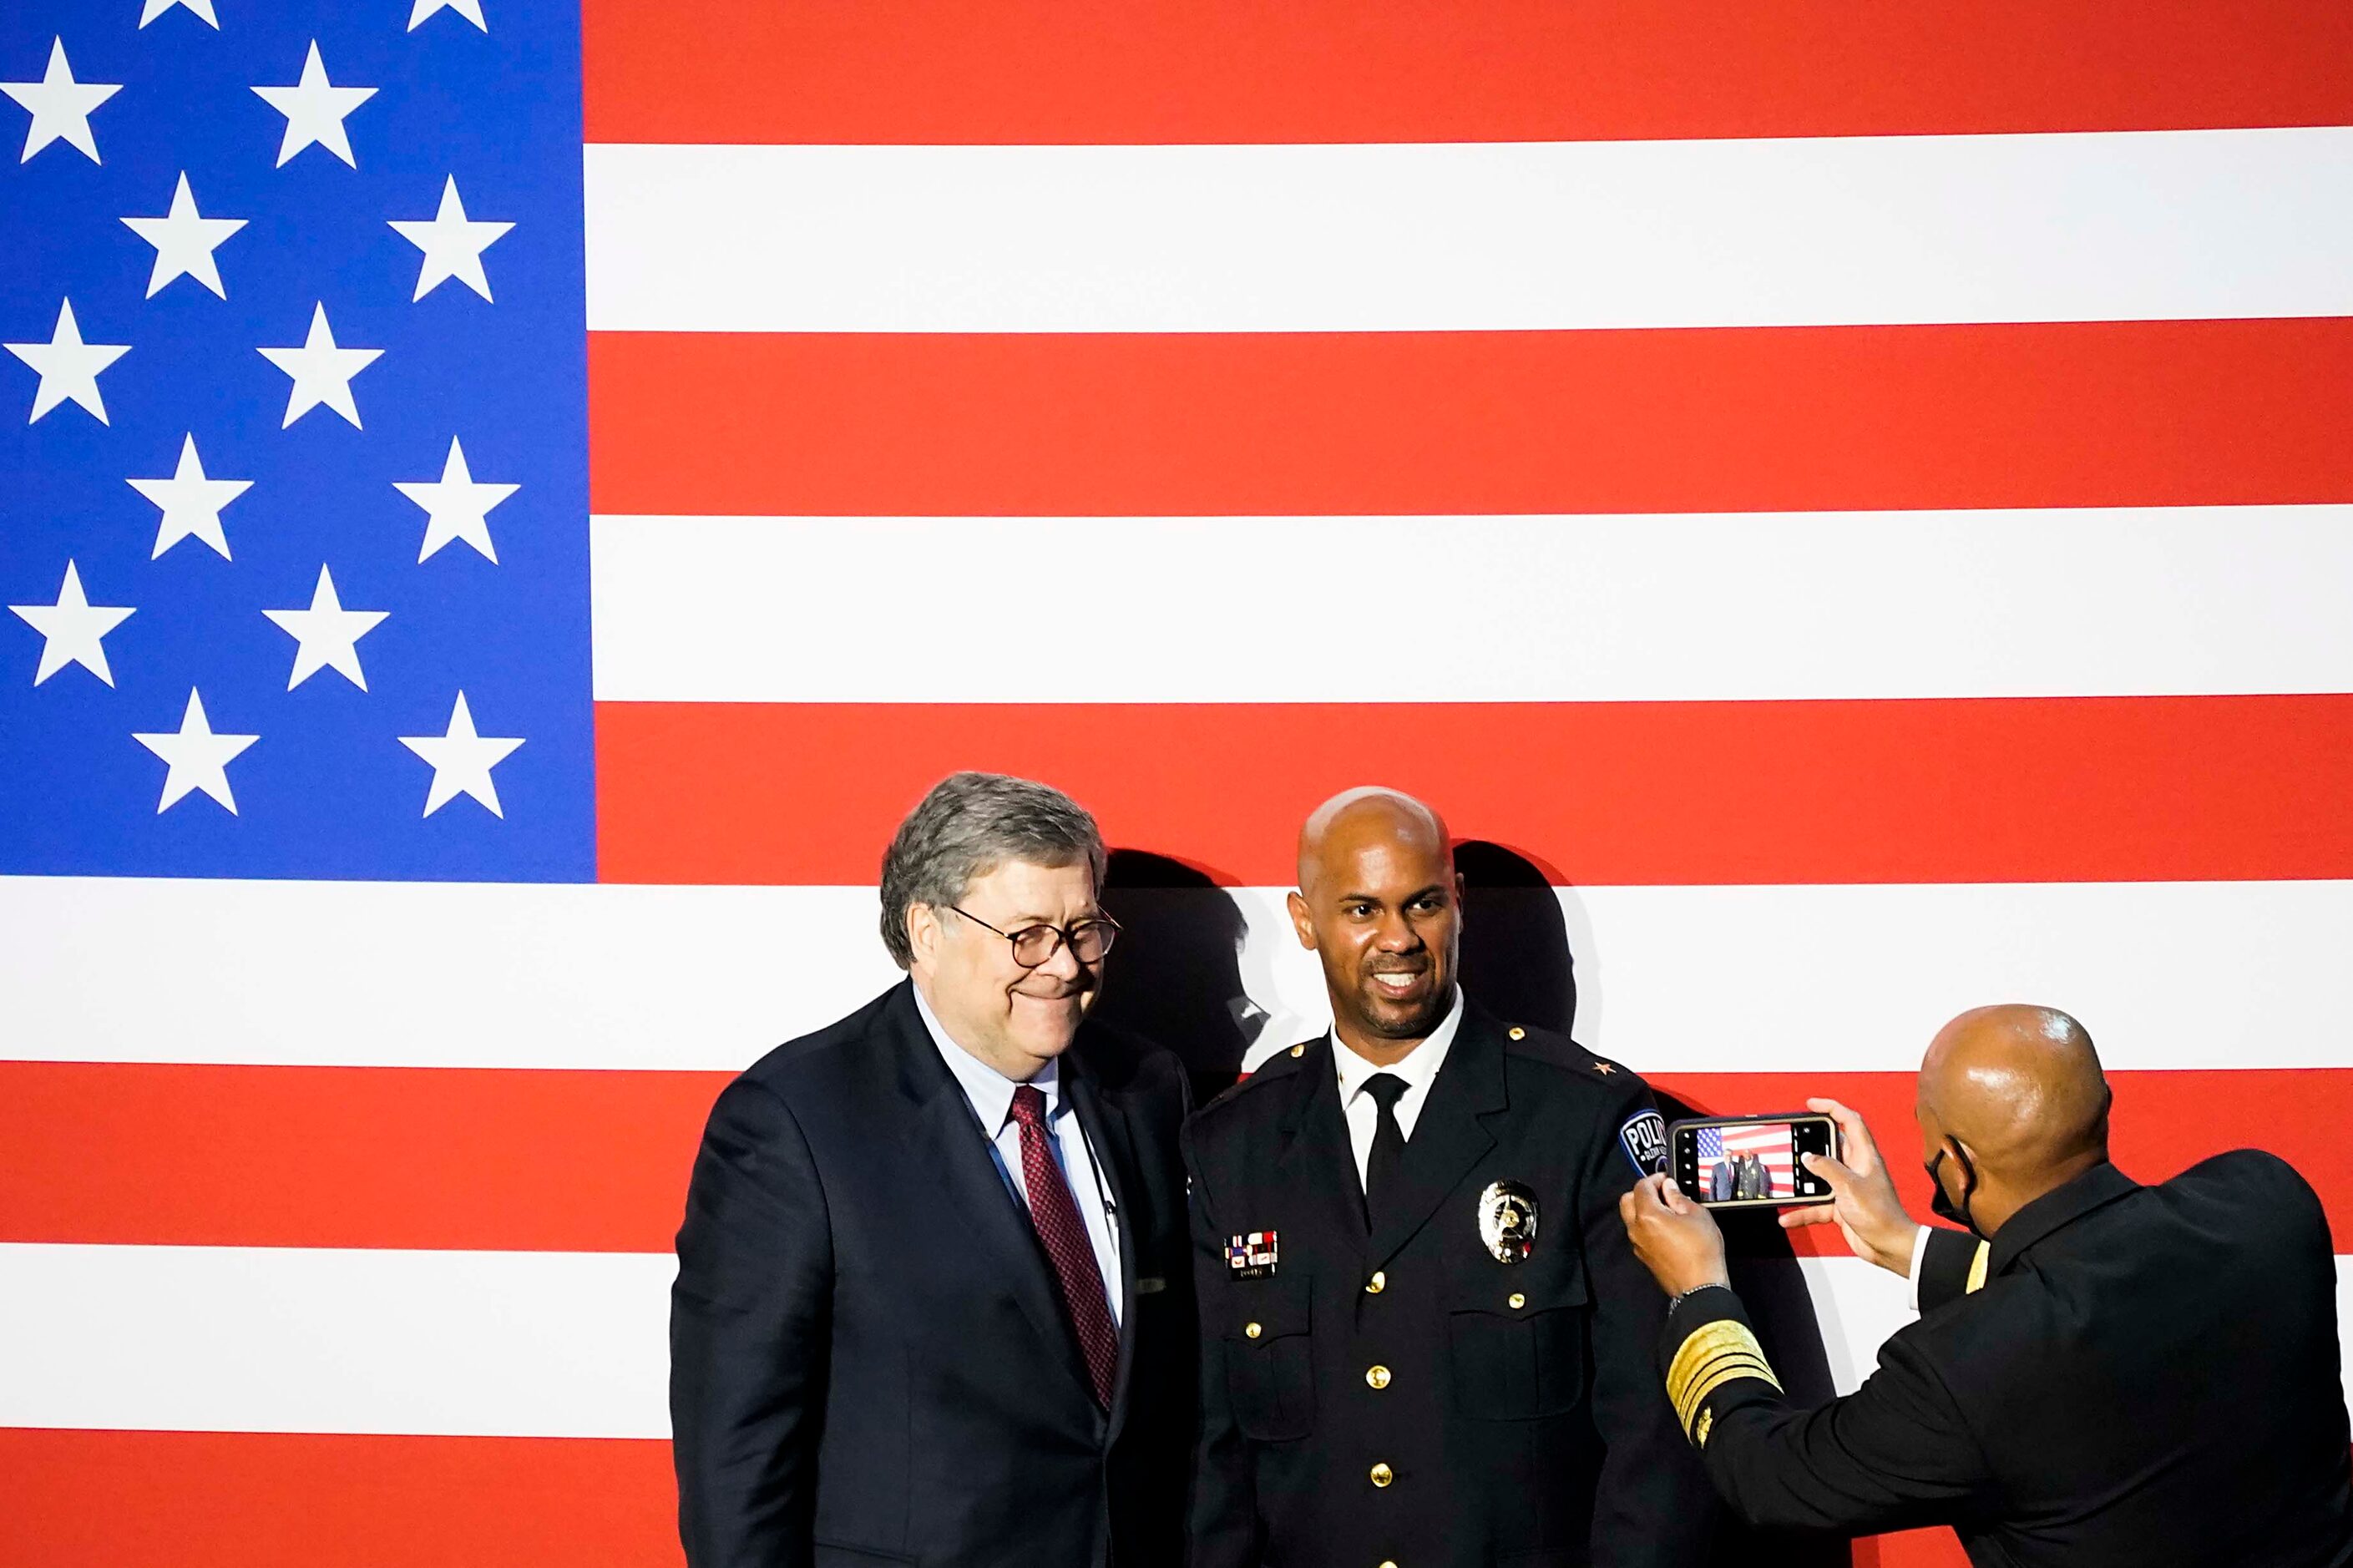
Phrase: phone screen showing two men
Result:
[1751,1162]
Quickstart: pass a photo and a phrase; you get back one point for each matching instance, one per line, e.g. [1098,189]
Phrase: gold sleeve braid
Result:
[1715,1354]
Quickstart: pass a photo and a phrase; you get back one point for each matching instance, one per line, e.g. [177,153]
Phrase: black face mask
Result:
[1943,1207]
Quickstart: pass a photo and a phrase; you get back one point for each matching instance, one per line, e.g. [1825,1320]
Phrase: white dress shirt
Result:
[1911,1274]
[990,1095]
[1419,1068]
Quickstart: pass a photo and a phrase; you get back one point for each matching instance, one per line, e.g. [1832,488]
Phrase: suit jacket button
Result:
[1383,1475]
[1376,1284]
[1379,1376]
[1252,1329]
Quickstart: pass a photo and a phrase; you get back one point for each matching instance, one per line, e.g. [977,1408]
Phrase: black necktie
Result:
[1381,1168]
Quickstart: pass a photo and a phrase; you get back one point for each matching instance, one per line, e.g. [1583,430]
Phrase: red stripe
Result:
[444,1158]
[208,1499]
[205,1499]
[299,1156]
[2079,789]
[1938,1548]
[1730,419]
[1435,70]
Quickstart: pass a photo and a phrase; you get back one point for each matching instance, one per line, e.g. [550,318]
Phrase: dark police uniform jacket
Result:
[870,1361]
[2126,1376]
[1405,1398]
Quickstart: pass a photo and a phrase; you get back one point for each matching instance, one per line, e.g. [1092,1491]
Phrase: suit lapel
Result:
[944,1142]
[1449,1139]
[1318,1152]
[1103,1118]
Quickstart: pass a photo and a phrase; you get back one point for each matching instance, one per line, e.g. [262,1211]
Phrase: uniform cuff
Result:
[1709,1353]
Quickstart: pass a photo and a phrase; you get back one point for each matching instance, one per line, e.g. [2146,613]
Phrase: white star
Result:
[469,9]
[452,243]
[461,761]
[322,372]
[203,9]
[199,759]
[60,105]
[455,506]
[315,109]
[326,636]
[69,366]
[191,502]
[185,240]
[72,628]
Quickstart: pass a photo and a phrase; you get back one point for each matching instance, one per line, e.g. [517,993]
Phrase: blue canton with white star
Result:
[310,599]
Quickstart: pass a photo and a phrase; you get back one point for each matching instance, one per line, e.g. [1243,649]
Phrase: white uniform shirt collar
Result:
[989,1091]
[1418,1066]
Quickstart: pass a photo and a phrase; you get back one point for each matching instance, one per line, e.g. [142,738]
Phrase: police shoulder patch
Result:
[1643,1139]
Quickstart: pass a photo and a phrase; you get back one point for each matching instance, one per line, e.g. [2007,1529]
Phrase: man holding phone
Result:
[2104,1373]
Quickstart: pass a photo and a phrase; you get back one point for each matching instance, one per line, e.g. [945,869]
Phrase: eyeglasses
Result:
[1087,939]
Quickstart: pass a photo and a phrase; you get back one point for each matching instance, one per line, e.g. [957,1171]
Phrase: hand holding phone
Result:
[1864,1203]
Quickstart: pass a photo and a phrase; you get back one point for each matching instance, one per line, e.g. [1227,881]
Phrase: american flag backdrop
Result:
[1769,1141]
[503,505]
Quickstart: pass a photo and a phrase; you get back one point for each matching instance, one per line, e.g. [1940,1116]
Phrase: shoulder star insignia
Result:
[1604,1068]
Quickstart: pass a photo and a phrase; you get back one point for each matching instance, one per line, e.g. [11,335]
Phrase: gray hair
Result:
[966,827]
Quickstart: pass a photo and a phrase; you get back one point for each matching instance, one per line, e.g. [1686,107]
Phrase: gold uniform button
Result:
[1383,1475]
[1252,1329]
[1379,1376]
[1388,1565]
[1376,1284]
[1518,1301]
[1517,1033]
[1298,1050]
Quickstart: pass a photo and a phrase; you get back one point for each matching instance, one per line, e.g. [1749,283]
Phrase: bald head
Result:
[1381,906]
[1367,817]
[2021,1088]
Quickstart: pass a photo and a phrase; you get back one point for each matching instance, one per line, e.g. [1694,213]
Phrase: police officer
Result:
[1426,1340]
[2103,1373]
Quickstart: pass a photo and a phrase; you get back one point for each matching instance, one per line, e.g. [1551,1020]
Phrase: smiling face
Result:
[1015,1019]
[1380,904]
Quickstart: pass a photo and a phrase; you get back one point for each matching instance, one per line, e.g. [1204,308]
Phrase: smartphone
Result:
[1750,1162]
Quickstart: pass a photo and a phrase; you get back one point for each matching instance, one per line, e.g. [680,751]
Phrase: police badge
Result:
[1507,1221]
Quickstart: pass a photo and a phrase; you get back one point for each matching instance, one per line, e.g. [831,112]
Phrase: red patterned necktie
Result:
[1064,1238]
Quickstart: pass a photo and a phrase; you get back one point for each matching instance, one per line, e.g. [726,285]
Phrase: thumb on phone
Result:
[1840,1178]
[1840,1182]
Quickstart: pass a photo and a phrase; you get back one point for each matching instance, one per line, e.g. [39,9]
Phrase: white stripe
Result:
[226,1339]
[2123,602]
[2214,974]
[2101,227]
[459,1344]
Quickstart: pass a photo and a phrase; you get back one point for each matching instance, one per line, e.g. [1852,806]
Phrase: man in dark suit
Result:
[934,1302]
[1425,1341]
[1722,1179]
[2103,1373]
